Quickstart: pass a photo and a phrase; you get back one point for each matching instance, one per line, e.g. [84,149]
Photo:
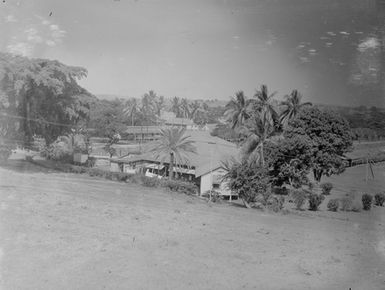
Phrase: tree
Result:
[131,110]
[174,145]
[108,117]
[265,103]
[151,106]
[113,139]
[259,130]
[237,109]
[328,135]
[248,180]
[185,108]
[41,97]
[292,106]
[176,107]
[289,161]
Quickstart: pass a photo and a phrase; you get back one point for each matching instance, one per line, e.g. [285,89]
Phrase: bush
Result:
[346,203]
[379,199]
[333,204]
[179,186]
[356,206]
[326,188]
[5,152]
[122,176]
[315,201]
[215,195]
[280,190]
[276,203]
[248,180]
[299,197]
[96,172]
[150,181]
[366,201]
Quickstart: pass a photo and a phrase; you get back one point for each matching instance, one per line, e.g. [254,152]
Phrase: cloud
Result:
[57,34]
[20,48]
[369,43]
[10,18]
[50,43]
[35,36]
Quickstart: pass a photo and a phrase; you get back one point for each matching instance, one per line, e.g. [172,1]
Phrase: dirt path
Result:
[64,231]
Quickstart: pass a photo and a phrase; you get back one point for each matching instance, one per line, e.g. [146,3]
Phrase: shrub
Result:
[346,203]
[122,176]
[379,199]
[150,181]
[367,201]
[356,206]
[276,203]
[326,188]
[179,186]
[281,190]
[299,197]
[333,204]
[96,172]
[5,152]
[215,195]
[315,201]
[249,180]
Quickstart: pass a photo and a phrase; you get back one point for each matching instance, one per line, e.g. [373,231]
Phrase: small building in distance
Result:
[143,134]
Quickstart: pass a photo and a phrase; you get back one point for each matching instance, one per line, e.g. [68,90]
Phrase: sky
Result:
[329,50]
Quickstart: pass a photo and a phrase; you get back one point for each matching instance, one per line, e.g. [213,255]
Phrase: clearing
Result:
[66,231]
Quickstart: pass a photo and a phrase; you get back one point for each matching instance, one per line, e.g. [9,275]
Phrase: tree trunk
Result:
[317,175]
[27,127]
[171,169]
[262,156]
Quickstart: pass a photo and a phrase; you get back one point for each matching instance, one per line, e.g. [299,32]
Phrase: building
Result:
[205,168]
[142,134]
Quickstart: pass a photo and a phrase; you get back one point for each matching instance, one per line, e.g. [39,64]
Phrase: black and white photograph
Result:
[192,144]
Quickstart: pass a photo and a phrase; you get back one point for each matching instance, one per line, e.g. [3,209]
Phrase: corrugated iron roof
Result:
[211,152]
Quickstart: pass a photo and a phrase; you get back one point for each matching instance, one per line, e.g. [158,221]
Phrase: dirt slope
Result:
[64,231]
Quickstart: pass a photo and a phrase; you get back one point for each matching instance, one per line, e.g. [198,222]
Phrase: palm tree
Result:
[131,110]
[237,109]
[176,106]
[173,144]
[185,108]
[195,107]
[292,105]
[260,129]
[265,102]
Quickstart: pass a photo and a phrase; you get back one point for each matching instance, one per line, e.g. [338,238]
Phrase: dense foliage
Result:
[367,200]
[40,97]
[379,199]
[249,181]
[329,137]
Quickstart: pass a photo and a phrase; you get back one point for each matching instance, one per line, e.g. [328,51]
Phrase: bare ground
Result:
[66,231]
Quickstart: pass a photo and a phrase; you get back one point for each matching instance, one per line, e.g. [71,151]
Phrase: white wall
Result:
[206,182]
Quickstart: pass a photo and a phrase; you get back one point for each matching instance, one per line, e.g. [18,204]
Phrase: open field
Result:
[65,231]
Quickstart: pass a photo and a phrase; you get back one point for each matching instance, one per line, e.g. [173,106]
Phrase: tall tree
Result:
[237,109]
[330,137]
[293,105]
[185,108]
[259,129]
[176,107]
[131,110]
[173,145]
[265,103]
[42,96]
